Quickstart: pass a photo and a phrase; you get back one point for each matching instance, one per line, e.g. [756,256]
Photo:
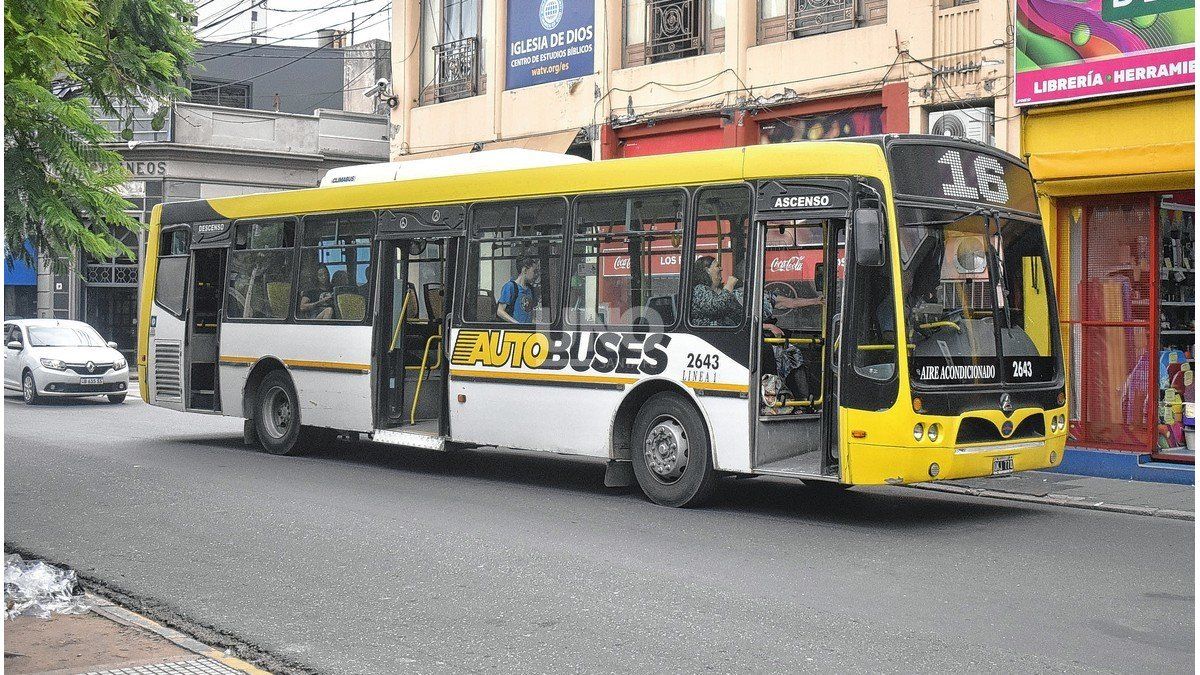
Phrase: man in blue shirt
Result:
[518,297]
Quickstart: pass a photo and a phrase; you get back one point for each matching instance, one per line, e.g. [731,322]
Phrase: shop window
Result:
[335,267]
[1176,377]
[625,257]
[717,275]
[514,262]
[260,269]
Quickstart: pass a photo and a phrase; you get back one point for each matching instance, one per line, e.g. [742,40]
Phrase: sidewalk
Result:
[109,640]
[53,630]
[1164,500]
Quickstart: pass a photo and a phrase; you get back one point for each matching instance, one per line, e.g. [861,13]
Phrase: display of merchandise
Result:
[1177,328]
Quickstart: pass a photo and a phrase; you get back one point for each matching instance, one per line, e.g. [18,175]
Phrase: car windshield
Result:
[62,336]
[978,302]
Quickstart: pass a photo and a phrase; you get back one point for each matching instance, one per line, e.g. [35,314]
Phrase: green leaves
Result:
[61,181]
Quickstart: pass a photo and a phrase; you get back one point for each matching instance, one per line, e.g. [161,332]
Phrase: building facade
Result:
[633,77]
[1109,134]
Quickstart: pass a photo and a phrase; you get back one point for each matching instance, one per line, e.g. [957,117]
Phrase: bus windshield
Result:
[978,302]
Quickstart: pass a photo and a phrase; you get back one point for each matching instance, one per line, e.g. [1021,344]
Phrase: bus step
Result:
[799,466]
[409,439]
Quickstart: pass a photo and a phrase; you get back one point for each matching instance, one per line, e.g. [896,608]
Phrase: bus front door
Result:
[411,356]
[801,273]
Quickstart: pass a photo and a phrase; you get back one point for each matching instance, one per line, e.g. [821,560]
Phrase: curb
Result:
[110,610]
[1058,500]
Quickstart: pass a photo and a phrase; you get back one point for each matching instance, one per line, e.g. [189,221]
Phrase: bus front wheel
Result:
[671,454]
[277,414]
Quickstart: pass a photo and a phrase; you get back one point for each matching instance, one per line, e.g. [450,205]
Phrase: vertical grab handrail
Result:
[412,417]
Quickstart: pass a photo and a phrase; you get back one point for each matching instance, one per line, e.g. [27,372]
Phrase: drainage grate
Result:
[192,667]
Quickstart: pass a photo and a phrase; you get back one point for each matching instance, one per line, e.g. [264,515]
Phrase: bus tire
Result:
[671,453]
[277,414]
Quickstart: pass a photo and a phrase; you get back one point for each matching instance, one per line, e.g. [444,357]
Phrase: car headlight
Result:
[53,364]
[119,364]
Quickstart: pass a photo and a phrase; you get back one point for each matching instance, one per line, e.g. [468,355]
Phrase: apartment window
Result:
[780,20]
[663,30]
[625,261]
[452,51]
[514,262]
[212,92]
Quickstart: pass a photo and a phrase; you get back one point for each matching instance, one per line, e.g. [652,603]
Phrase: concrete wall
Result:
[365,64]
[304,86]
[916,38]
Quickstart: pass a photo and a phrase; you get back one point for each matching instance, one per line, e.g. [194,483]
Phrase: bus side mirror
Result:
[868,237]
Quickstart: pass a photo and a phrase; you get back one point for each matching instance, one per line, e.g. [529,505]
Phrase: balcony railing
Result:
[814,17]
[457,69]
[669,29]
[674,29]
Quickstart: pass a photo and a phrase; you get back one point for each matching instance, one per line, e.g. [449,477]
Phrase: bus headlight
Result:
[53,364]
[919,431]
[934,432]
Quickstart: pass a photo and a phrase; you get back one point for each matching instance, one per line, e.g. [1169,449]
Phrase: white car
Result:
[53,357]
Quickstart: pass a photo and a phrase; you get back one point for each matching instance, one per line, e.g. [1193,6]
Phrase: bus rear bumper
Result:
[879,465]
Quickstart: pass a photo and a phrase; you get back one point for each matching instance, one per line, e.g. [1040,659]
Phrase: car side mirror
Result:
[112,344]
[14,345]
[868,237]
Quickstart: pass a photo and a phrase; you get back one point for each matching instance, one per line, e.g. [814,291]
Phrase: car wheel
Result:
[116,398]
[671,454]
[29,390]
[277,414]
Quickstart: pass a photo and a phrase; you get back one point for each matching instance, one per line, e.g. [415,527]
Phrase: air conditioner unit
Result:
[976,124]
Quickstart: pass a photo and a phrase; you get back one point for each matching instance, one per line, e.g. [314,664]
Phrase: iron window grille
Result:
[457,69]
[674,29]
[813,17]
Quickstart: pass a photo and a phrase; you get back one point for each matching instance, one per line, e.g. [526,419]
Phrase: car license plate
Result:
[1002,466]
[91,380]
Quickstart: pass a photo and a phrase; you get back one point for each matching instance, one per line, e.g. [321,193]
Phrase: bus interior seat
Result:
[664,307]
[279,296]
[351,306]
[485,305]
[435,300]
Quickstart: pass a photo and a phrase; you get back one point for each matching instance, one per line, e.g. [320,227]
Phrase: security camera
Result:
[380,88]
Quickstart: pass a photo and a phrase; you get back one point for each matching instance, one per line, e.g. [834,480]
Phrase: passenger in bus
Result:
[518,296]
[317,300]
[719,303]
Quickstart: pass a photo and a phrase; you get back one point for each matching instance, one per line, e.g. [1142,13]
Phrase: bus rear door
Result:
[415,289]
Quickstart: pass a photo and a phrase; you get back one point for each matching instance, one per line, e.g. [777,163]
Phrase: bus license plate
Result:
[1002,466]
[91,380]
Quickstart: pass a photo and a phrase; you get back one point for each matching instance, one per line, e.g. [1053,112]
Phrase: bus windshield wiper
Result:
[944,223]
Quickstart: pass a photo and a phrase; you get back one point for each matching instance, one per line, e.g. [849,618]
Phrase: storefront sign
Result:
[147,169]
[549,40]
[1070,50]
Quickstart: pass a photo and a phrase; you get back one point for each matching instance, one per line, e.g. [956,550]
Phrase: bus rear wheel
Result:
[671,454]
[277,414]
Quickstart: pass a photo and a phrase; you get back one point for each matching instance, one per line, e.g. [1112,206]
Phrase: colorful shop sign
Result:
[1068,49]
[549,40]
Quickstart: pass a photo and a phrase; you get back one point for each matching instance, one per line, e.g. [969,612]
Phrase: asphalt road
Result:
[373,559]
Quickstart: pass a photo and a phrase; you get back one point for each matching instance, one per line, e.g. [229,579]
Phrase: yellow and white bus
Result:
[875,310]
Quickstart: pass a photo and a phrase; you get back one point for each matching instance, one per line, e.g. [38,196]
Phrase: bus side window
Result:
[870,326]
[721,238]
[335,267]
[170,281]
[260,269]
[625,260]
[514,261]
